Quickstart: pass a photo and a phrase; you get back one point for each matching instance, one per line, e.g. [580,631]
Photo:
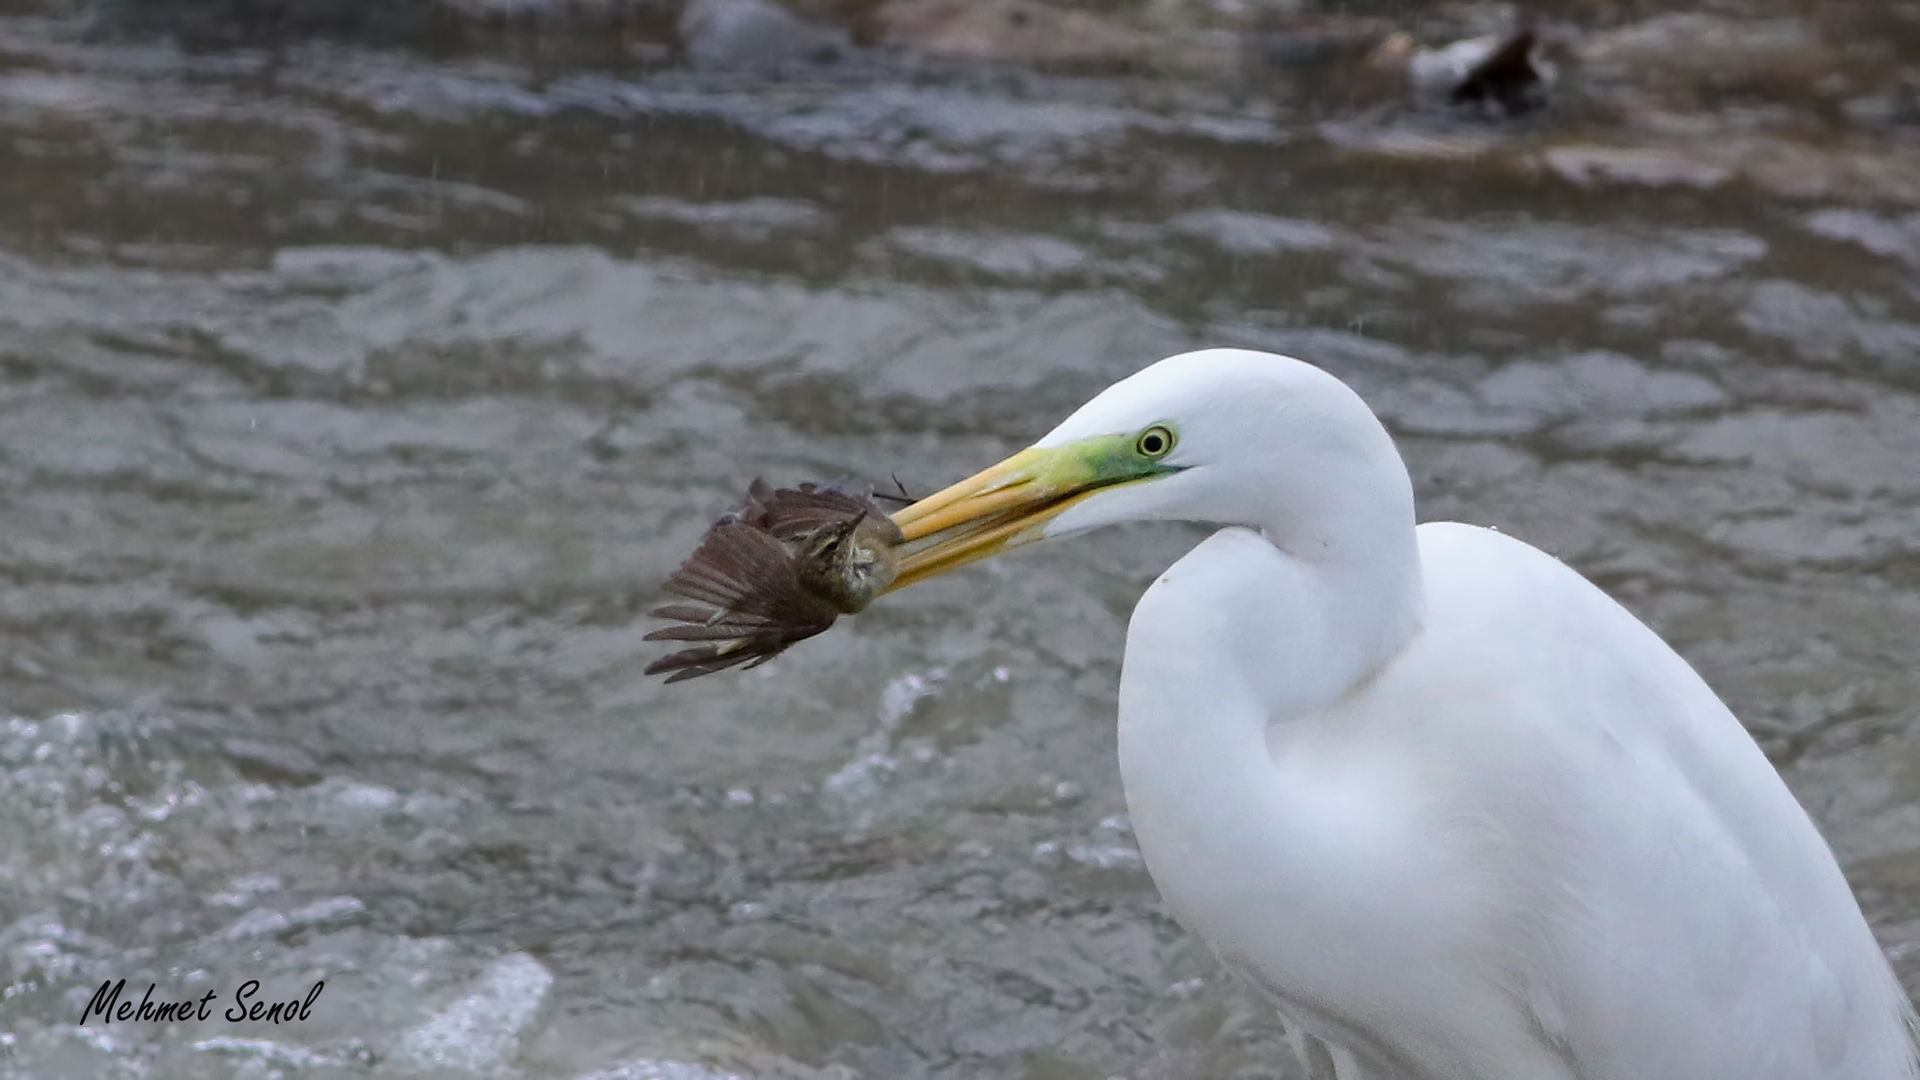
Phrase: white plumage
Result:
[1462,815]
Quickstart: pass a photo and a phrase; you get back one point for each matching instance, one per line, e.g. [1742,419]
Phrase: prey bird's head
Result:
[849,563]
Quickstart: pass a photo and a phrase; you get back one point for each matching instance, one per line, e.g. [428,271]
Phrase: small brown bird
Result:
[777,571]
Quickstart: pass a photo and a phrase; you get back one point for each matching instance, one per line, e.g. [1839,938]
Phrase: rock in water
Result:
[777,571]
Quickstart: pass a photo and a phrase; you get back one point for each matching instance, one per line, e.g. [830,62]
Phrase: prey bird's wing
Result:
[751,605]
[705,659]
[749,577]
[796,512]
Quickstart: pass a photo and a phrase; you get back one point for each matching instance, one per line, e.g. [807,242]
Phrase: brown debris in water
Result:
[777,571]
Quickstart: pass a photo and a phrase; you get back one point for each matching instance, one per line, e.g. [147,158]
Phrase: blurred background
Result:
[365,365]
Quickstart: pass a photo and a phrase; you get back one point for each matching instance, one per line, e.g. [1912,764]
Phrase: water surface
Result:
[353,402]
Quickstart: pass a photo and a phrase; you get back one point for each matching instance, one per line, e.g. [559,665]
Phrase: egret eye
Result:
[1155,442]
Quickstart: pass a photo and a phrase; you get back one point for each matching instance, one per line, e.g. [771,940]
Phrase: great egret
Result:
[1459,813]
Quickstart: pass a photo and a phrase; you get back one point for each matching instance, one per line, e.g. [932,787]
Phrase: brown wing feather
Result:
[743,569]
[702,615]
[750,602]
[796,512]
[719,656]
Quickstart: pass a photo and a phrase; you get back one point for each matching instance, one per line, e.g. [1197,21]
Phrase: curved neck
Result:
[1344,595]
[1355,594]
[1298,626]
[1247,640]
[1265,624]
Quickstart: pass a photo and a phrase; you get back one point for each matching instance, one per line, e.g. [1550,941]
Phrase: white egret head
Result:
[1224,436]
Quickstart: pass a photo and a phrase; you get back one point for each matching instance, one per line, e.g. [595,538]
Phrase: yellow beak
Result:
[984,514]
[1011,503]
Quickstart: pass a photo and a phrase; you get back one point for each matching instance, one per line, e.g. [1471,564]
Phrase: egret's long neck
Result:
[1260,627]
[1312,595]
[1343,595]
[1350,567]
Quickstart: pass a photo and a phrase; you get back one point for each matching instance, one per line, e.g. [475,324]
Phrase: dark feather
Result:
[706,659]
[723,632]
[746,578]
[692,663]
[790,513]
[741,568]
[696,613]
[899,497]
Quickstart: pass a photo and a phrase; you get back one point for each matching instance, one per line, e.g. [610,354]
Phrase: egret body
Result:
[1459,813]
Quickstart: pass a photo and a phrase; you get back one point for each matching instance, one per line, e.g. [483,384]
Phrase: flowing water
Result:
[354,401]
